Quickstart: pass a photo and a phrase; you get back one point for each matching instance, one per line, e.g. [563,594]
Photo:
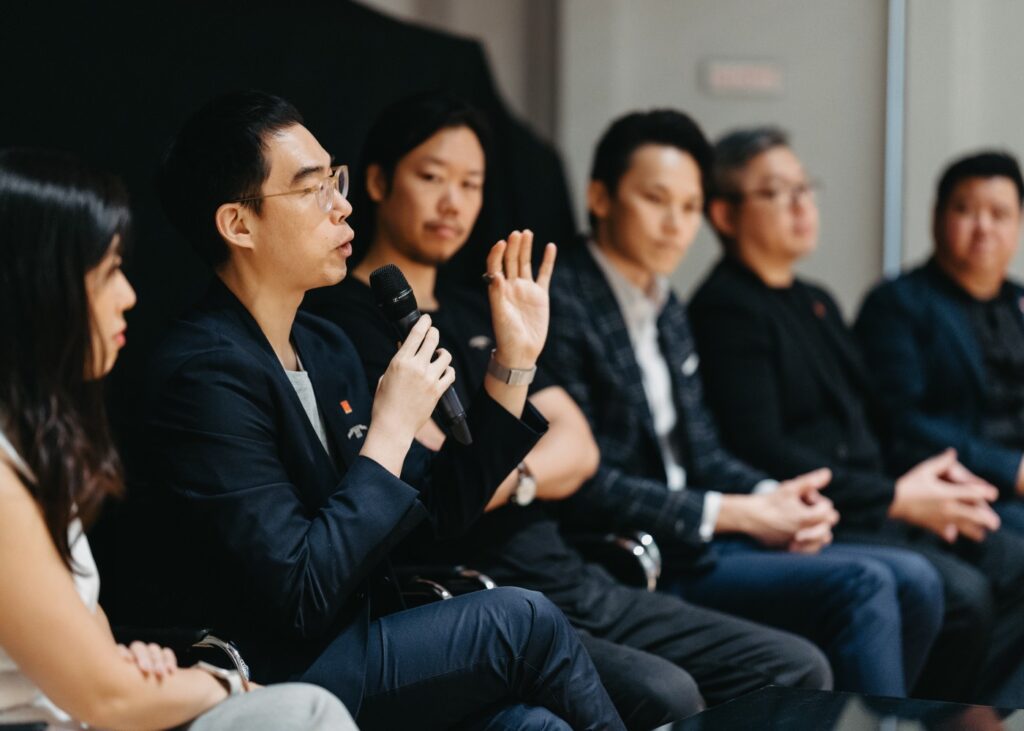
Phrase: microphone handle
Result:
[450,409]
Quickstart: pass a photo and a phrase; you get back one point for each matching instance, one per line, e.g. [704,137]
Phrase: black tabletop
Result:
[786,708]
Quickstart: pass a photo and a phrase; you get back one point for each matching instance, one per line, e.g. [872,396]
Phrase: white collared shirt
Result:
[640,311]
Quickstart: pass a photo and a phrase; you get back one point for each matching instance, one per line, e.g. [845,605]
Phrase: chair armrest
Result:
[188,643]
[633,559]
[424,584]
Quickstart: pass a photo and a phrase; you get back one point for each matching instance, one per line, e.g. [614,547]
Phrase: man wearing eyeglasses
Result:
[786,382]
[293,484]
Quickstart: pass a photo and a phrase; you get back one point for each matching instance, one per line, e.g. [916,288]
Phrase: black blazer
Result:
[589,353]
[275,541]
[777,404]
[923,354]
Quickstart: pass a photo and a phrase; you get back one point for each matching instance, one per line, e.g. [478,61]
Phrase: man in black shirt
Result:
[790,392]
[659,657]
[945,342]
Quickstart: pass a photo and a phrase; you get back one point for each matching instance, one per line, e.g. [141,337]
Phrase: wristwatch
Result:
[230,679]
[526,488]
[511,376]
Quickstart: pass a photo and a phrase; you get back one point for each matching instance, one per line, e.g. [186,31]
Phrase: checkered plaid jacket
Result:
[589,353]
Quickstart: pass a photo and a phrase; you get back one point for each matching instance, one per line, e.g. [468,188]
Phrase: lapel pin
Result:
[346,407]
[819,309]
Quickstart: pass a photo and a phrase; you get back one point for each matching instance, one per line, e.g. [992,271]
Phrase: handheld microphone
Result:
[398,303]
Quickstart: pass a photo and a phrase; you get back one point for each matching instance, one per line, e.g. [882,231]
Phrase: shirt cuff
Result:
[709,516]
[765,487]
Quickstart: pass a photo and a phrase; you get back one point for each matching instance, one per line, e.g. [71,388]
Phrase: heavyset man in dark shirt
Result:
[945,342]
[424,166]
[789,389]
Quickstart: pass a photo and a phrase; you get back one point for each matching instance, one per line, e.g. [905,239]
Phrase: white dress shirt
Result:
[640,311]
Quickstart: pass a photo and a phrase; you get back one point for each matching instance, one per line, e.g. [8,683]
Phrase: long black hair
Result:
[58,219]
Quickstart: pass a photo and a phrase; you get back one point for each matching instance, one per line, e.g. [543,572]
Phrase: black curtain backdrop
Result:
[113,82]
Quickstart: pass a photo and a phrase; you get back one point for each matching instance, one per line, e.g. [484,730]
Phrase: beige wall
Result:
[964,92]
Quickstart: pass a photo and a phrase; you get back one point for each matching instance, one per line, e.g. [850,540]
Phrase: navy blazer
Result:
[275,541]
[589,353]
[919,343]
[776,401]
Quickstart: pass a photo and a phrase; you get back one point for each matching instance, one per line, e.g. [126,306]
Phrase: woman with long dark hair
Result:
[62,303]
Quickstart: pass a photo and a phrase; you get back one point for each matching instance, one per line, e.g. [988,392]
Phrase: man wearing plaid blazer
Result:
[733,538]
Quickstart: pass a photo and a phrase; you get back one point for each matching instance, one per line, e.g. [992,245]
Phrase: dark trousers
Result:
[875,612]
[981,644]
[505,658]
[660,658]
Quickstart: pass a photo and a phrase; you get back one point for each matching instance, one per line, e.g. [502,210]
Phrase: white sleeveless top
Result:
[20,700]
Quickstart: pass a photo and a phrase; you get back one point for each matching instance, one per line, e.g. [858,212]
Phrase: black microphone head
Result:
[392,292]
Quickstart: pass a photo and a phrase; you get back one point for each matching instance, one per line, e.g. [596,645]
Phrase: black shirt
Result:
[999,329]
[514,545]
[808,314]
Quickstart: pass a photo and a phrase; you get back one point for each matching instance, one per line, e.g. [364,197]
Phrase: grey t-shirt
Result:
[304,389]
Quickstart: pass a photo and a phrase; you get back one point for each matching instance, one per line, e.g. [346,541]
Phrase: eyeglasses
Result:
[783,195]
[335,181]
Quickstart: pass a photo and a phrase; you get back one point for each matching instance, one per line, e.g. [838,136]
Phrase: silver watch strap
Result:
[511,376]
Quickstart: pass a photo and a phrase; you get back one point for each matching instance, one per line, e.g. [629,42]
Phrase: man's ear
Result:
[376,183]
[233,224]
[599,202]
[720,213]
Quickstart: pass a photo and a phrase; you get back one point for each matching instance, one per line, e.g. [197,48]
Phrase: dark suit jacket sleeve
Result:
[614,498]
[214,443]
[898,364]
[741,385]
[457,482]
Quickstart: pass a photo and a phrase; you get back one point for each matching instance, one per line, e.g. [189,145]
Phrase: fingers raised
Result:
[515,240]
[547,266]
[525,254]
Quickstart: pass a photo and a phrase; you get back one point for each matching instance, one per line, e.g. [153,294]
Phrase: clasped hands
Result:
[944,497]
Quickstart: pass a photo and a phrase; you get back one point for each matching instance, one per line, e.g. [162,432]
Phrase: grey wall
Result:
[965,90]
[618,56]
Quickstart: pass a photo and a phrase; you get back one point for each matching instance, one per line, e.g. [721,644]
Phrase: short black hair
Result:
[984,164]
[218,157]
[409,122]
[400,128]
[669,127]
[736,149]
[733,152]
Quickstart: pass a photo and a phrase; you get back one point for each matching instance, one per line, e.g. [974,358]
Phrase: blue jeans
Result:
[505,658]
[1011,512]
[875,611]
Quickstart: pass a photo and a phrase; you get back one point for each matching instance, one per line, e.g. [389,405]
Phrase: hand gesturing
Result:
[519,303]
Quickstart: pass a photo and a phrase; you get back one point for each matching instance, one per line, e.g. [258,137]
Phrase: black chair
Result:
[633,558]
[424,584]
